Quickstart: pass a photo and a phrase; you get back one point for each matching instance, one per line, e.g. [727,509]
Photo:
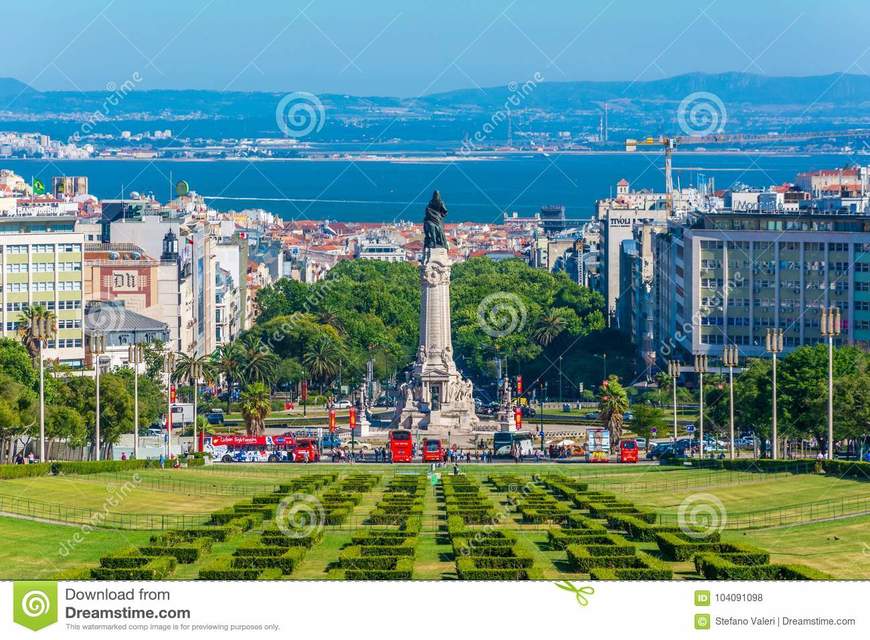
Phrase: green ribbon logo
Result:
[34,604]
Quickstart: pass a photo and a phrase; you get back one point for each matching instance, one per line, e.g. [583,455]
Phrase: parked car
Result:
[528,411]
[658,450]
[330,441]
[641,442]
[628,416]
[592,415]
[215,416]
[341,404]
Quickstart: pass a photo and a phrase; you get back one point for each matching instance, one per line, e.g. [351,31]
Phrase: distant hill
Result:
[754,103]
[732,87]
[10,87]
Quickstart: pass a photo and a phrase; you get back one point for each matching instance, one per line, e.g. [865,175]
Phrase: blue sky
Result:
[414,47]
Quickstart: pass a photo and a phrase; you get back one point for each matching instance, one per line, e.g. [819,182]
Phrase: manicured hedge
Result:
[11,471]
[616,552]
[223,569]
[716,567]
[153,569]
[183,553]
[262,557]
[468,569]
[400,569]
[641,566]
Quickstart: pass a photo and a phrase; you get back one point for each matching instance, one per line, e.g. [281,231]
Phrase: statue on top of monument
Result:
[433,223]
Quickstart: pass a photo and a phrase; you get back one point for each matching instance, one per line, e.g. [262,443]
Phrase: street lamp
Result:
[674,372]
[195,373]
[98,348]
[560,379]
[773,345]
[731,359]
[701,369]
[169,369]
[135,356]
[830,327]
[43,329]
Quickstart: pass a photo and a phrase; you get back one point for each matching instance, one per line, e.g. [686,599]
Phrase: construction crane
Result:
[670,143]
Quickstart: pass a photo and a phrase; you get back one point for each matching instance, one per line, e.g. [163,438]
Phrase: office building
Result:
[42,263]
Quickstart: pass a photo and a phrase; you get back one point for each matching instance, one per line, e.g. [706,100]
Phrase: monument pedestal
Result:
[437,398]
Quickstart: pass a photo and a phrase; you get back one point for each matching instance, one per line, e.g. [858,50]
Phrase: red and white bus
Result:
[238,448]
[432,450]
[401,447]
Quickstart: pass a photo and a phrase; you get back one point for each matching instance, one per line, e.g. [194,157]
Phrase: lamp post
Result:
[701,369]
[674,372]
[730,358]
[195,373]
[830,327]
[560,379]
[42,331]
[135,356]
[773,345]
[169,369]
[98,348]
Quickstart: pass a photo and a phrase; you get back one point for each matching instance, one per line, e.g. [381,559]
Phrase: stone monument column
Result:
[436,398]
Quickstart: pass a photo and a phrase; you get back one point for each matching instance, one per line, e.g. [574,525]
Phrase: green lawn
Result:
[34,550]
[85,493]
[838,546]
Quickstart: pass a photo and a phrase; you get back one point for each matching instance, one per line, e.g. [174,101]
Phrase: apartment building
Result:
[42,258]
[725,278]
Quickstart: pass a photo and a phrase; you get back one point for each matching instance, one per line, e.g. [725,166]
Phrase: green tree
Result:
[258,363]
[646,418]
[228,363]
[612,405]
[15,361]
[30,319]
[256,404]
[322,360]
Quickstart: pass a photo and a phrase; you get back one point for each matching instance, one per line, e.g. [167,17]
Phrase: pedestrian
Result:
[124,456]
[162,461]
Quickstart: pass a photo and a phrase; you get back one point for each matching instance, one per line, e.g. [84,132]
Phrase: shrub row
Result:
[679,547]
[736,567]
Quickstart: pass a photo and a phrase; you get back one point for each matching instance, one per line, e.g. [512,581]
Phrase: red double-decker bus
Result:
[432,450]
[401,447]
[237,448]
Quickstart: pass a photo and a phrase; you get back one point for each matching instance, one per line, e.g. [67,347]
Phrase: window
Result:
[69,286]
[69,248]
[42,248]
[69,324]
[67,305]
[21,287]
[16,268]
[43,267]
[16,249]
[17,306]
[42,286]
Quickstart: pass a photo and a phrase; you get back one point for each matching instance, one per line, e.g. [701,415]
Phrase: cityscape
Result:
[563,312]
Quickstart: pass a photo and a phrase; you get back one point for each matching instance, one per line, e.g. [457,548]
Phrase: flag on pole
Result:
[38,187]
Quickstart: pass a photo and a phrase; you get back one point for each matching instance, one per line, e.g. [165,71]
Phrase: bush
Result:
[223,569]
[468,569]
[716,567]
[616,552]
[640,567]
[154,569]
[183,553]
[401,569]
[261,557]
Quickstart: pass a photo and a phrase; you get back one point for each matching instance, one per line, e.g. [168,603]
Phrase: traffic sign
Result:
[690,428]
[654,431]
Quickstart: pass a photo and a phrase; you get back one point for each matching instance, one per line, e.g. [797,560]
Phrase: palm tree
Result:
[28,327]
[256,404]
[227,363]
[612,405]
[258,362]
[548,328]
[193,369]
[322,359]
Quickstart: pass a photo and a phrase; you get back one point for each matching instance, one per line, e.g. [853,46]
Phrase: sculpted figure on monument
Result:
[433,224]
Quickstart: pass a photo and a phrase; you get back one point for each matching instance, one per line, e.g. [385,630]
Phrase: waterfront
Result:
[384,190]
